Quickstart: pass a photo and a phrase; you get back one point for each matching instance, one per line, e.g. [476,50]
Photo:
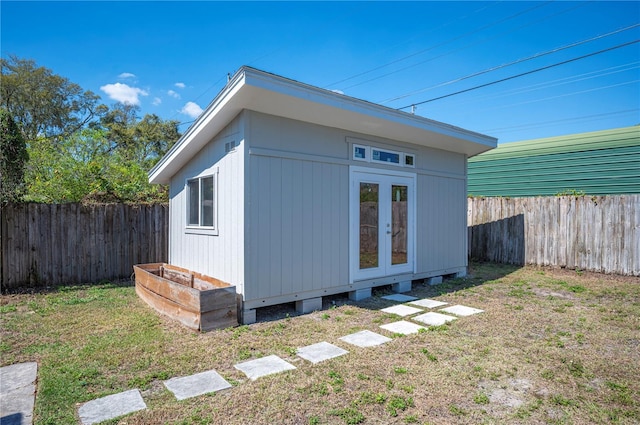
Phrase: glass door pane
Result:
[369,225]
[399,209]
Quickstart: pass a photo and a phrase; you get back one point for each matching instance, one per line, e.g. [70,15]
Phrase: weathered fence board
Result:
[53,244]
[595,233]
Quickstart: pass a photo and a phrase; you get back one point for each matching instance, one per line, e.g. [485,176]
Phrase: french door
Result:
[382,223]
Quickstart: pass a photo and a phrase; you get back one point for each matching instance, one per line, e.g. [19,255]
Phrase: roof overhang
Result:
[260,91]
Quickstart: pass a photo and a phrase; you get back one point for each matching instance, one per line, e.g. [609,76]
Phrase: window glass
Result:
[384,156]
[359,152]
[206,201]
[368,225]
[193,192]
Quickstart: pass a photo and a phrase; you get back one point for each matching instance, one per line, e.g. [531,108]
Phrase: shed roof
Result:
[261,91]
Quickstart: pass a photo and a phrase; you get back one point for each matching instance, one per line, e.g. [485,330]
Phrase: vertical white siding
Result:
[441,223]
[297,227]
[222,255]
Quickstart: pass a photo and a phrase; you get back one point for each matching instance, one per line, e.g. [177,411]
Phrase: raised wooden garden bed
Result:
[197,301]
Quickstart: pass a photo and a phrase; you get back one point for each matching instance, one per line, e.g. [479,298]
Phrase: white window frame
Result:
[368,155]
[404,160]
[397,164]
[198,228]
[367,152]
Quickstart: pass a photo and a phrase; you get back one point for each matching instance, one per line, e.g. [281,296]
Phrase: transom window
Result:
[383,156]
[201,211]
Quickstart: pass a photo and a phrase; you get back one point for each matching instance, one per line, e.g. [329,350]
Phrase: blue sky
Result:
[172,58]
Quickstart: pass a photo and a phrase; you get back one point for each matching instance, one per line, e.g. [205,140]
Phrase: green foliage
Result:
[350,415]
[13,156]
[481,398]
[398,404]
[44,105]
[77,149]
[85,167]
[141,141]
[571,192]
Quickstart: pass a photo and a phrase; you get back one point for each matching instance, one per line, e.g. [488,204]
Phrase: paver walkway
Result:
[263,366]
[402,310]
[365,339]
[320,352]
[111,406]
[195,385]
[206,382]
[17,393]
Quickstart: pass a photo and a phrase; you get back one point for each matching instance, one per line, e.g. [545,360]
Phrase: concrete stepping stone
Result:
[402,327]
[264,366]
[111,406]
[365,339]
[428,303]
[320,352]
[461,310]
[195,385]
[402,310]
[17,393]
[434,319]
[399,297]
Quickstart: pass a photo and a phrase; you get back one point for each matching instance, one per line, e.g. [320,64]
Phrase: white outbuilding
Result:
[291,192]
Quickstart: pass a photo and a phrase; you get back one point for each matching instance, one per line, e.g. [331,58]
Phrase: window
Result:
[361,153]
[372,154]
[378,155]
[201,211]
[409,160]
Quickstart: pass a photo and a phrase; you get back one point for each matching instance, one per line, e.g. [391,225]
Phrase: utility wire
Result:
[554,83]
[521,74]
[521,60]
[461,48]
[553,122]
[420,51]
[565,95]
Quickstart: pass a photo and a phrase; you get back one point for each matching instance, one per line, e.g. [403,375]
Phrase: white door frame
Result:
[385,178]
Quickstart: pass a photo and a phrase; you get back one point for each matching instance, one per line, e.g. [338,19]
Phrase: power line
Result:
[420,51]
[561,121]
[553,83]
[521,60]
[461,48]
[521,74]
[565,95]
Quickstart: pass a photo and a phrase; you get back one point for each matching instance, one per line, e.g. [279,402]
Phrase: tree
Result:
[85,167]
[141,141]
[13,156]
[42,103]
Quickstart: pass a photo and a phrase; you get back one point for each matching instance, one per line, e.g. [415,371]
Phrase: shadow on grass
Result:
[478,274]
[103,284]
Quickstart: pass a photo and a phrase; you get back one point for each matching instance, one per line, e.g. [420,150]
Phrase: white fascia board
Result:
[218,114]
[271,94]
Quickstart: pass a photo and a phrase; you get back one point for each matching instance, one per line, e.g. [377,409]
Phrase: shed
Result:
[603,162]
[291,193]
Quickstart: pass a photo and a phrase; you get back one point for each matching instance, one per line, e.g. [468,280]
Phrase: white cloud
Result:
[180,85]
[156,101]
[192,109]
[338,91]
[126,75]
[173,94]
[123,93]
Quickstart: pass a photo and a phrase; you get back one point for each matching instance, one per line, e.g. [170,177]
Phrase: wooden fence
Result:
[52,244]
[46,245]
[595,233]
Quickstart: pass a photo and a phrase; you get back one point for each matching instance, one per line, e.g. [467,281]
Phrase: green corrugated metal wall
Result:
[598,163]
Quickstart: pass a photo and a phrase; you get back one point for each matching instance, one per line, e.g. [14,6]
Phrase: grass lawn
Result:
[553,346]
